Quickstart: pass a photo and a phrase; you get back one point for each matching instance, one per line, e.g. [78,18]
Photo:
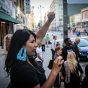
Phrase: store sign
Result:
[4,9]
[8,40]
[72,18]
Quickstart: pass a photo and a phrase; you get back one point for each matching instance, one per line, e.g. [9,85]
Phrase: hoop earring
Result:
[19,55]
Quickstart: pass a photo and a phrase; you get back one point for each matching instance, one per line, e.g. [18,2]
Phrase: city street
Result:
[47,56]
[55,16]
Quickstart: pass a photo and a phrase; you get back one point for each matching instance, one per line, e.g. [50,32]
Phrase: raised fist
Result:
[51,16]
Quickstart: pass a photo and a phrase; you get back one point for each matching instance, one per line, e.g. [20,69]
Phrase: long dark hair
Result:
[19,39]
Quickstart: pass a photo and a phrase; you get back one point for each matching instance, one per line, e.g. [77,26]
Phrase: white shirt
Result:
[39,50]
[53,44]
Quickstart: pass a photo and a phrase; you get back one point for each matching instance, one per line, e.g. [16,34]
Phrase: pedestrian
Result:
[57,83]
[58,44]
[53,34]
[85,80]
[53,46]
[77,33]
[71,72]
[18,64]
[39,58]
[43,44]
[75,48]
[67,48]
[47,38]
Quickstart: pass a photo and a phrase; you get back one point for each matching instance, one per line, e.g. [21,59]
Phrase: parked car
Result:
[83,49]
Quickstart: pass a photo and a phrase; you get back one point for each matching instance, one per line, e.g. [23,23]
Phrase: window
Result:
[60,19]
[60,4]
[86,15]
[61,8]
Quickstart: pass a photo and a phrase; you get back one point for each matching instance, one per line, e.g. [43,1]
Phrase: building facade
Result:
[80,21]
[7,20]
[57,7]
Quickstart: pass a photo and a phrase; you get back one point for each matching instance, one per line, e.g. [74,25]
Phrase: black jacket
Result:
[76,50]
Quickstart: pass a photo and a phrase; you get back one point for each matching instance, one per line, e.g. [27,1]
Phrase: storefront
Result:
[6,26]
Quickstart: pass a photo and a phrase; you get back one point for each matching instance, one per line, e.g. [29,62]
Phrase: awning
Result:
[6,18]
[78,23]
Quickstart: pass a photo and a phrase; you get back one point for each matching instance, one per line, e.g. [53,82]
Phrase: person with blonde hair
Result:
[71,71]
[75,48]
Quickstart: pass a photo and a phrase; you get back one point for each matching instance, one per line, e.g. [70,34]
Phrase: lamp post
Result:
[40,15]
[65,33]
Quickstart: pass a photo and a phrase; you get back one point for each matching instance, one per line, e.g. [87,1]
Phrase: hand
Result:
[51,16]
[57,64]
[42,60]
[62,78]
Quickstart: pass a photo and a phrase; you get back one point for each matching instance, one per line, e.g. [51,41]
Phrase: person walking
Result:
[71,72]
[67,48]
[47,38]
[75,48]
[43,44]
[19,65]
[39,58]
[53,46]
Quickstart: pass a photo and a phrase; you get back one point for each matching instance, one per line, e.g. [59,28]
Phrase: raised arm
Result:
[41,33]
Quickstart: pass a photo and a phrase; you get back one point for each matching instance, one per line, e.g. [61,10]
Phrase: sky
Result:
[43,3]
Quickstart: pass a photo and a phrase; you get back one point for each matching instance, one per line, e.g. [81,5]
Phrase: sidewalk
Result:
[3,80]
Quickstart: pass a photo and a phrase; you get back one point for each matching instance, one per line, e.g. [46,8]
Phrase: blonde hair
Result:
[72,62]
[77,40]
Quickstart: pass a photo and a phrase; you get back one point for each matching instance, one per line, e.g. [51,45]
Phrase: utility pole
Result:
[65,18]
[40,21]
[40,13]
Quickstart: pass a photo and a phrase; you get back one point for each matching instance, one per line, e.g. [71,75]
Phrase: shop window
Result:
[86,15]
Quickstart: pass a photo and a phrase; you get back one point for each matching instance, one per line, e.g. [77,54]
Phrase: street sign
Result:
[72,18]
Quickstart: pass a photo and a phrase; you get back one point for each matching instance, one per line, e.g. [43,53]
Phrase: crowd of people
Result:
[24,61]
[71,72]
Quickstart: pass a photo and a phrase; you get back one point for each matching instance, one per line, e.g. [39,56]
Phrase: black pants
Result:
[43,47]
[53,53]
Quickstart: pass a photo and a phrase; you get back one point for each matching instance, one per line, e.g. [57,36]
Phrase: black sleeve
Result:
[64,54]
[29,76]
[80,68]
[78,53]
[73,47]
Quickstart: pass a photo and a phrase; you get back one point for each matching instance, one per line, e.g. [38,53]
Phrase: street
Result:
[47,55]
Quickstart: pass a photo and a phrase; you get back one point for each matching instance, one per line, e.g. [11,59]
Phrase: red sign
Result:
[8,40]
